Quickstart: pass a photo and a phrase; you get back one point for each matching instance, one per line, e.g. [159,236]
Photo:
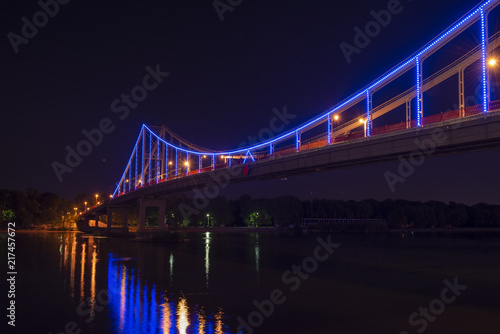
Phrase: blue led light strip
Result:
[157,160]
[129,177]
[199,163]
[166,161]
[329,129]
[419,96]
[483,52]
[271,149]
[368,113]
[150,162]
[117,189]
[143,155]
[176,162]
[246,156]
[187,163]
[136,164]
[297,146]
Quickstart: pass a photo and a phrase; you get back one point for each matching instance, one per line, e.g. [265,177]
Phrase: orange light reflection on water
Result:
[182,316]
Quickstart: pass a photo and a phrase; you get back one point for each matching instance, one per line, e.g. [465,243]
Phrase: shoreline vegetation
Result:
[274,230]
[33,210]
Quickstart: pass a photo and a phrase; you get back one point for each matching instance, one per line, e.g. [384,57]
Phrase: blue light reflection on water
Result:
[138,307]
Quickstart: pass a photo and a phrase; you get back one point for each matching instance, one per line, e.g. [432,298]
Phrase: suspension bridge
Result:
[352,133]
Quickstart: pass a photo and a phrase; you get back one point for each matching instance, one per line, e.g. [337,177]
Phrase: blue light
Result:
[213,161]
[129,176]
[419,97]
[229,161]
[187,163]
[437,40]
[117,189]
[247,155]
[483,52]
[368,114]
[136,308]
[329,129]
[271,149]
[176,162]
[143,155]
[166,161]
[199,163]
[150,160]
[157,160]
[297,148]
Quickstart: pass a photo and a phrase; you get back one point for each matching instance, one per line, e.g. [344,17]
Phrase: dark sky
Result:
[225,78]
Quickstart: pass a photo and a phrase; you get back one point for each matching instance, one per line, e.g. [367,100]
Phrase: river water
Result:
[263,282]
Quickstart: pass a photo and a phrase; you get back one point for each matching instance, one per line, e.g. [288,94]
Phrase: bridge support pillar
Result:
[145,203]
[142,216]
[96,220]
[109,221]
[161,217]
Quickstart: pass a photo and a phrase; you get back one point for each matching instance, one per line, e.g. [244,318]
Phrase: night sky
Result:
[225,77]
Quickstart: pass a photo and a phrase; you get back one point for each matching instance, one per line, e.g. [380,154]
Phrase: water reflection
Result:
[92,280]
[207,256]
[171,267]
[138,307]
[182,316]
[72,273]
[257,253]
[82,273]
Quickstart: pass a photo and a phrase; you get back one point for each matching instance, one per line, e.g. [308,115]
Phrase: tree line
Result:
[30,208]
[288,210]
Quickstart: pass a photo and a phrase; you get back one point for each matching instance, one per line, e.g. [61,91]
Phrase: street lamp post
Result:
[363,121]
[492,62]
[208,219]
[96,195]
[85,206]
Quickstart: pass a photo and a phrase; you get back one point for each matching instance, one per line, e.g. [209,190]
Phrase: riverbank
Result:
[133,229]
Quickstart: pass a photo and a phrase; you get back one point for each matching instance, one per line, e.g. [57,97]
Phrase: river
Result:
[269,282]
